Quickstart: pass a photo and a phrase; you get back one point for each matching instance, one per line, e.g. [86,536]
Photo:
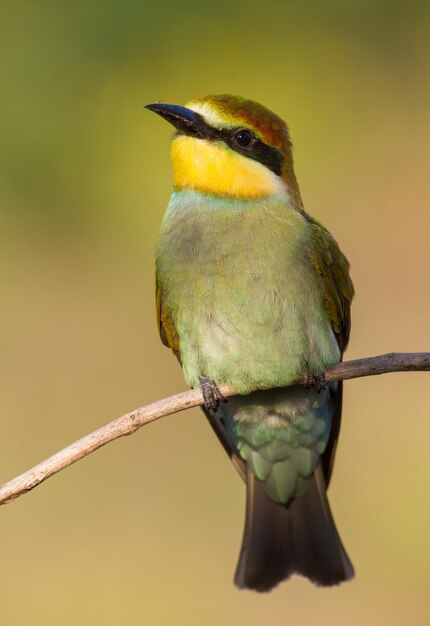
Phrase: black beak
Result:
[185,120]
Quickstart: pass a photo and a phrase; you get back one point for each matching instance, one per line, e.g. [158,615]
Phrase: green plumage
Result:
[281,435]
[252,311]
[237,278]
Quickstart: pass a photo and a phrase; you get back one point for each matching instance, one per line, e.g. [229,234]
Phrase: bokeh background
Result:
[147,530]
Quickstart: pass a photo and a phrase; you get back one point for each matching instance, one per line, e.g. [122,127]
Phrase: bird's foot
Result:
[316,381]
[211,394]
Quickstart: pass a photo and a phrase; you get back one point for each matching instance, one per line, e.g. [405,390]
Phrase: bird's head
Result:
[229,146]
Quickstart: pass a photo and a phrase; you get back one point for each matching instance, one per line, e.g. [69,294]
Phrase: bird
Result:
[253,292]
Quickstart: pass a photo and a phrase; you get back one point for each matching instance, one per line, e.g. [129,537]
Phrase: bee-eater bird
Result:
[254,292]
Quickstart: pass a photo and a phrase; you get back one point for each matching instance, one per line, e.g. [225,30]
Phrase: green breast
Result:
[236,280]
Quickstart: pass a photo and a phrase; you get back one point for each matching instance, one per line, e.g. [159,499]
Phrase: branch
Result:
[130,422]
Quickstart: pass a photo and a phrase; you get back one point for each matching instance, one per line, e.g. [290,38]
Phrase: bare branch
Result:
[130,422]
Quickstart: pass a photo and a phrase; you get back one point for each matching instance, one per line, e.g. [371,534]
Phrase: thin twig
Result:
[130,422]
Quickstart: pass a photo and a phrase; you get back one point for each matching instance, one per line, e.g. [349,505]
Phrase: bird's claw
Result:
[211,394]
[316,381]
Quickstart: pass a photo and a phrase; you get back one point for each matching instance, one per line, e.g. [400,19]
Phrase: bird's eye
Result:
[243,138]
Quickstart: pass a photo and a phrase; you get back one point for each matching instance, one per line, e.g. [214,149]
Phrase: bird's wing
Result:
[333,268]
[166,327]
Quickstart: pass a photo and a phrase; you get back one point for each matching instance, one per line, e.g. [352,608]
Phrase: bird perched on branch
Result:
[253,292]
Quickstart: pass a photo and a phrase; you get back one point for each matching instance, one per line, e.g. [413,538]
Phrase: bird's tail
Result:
[282,540]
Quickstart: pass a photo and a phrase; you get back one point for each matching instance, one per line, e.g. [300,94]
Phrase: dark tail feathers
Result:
[301,538]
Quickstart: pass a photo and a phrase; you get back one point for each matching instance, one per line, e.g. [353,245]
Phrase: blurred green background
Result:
[147,530]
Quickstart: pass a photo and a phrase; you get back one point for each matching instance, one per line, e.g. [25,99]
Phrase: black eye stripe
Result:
[261,152]
[256,150]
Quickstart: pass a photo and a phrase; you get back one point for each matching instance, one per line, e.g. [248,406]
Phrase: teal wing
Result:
[333,268]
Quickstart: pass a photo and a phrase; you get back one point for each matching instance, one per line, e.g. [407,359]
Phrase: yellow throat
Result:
[212,168]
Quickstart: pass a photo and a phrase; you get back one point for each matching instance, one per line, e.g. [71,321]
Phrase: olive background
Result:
[148,529]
